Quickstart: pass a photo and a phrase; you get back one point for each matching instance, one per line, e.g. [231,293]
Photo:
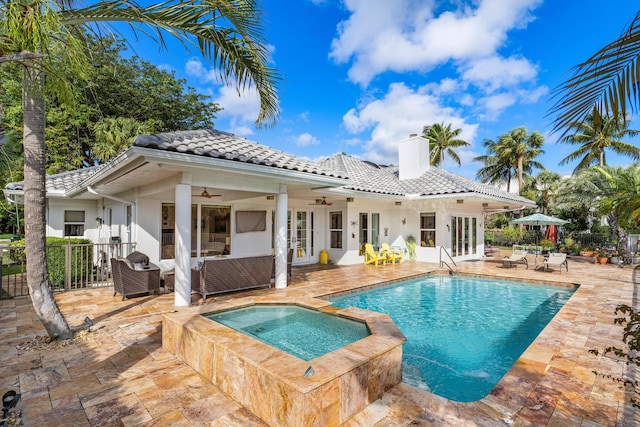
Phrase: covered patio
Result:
[119,373]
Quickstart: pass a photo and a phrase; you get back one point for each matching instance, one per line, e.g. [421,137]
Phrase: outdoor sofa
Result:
[219,275]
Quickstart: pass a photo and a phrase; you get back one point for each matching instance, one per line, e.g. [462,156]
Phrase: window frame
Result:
[428,234]
[72,224]
[339,232]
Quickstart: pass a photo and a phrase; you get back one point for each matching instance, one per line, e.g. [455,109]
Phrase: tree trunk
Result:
[614,226]
[520,174]
[602,157]
[33,104]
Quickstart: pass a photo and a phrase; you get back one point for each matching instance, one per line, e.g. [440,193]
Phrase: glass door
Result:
[301,236]
[463,236]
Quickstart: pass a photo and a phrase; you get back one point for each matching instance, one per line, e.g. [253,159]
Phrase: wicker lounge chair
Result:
[556,259]
[518,256]
[233,274]
[129,281]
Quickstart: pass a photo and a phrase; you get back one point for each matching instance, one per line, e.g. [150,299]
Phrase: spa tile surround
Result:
[270,382]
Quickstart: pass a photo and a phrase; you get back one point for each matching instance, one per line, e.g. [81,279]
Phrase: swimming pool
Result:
[463,333]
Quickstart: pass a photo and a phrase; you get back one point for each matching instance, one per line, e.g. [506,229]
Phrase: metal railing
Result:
[71,267]
[442,262]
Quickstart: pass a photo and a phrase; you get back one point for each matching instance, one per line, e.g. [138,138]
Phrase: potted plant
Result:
[602,257]
[411,247]
[588,251]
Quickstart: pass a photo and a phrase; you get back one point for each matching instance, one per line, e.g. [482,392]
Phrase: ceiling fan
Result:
[321,202]
[206,194]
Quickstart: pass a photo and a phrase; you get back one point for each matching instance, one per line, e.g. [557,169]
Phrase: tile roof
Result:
[226,146]
[363,175]
[60,182]
[369,177]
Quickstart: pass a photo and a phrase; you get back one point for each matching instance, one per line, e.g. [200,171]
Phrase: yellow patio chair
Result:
[392,255]
[371,256]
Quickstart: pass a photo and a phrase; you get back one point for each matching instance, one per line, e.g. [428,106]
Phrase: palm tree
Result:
[497,169]
[589,188]
[606,82]
[624,197]
[543,189]
[524,148]
[227,33]
[512,155]
[595,134]
[442,139]
[116,134]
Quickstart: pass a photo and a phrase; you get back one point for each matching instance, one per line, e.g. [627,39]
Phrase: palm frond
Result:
[238,52]
[607,82]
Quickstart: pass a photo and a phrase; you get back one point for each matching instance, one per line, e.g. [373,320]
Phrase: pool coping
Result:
[441,273]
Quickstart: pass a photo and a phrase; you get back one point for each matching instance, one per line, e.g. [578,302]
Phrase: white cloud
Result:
[492,73]
[195,68]
[304,116]
[241,109]
[493,105]
[401,112]
[407,35]
[306,139]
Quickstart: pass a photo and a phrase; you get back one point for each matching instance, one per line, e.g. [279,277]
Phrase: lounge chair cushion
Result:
[128,262]
[138,258]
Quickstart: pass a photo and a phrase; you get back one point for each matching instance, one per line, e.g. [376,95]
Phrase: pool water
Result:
[463,333]
[299,331]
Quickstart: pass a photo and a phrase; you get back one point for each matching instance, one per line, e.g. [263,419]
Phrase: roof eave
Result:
[193,161]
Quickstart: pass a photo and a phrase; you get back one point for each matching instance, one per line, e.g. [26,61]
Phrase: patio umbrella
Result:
[551,233]
[539,219]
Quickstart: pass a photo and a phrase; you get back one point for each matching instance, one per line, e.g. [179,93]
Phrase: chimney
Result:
[413,157]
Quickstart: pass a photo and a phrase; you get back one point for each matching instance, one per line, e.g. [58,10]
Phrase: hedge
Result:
[56,247]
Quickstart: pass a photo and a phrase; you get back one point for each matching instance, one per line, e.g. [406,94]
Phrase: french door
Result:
[300,231]
[463,236]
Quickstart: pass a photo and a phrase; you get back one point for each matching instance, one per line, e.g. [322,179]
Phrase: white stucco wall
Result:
[55,217]
[401,221]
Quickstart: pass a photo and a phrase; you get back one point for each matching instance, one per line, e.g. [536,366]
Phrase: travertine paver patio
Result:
[121,375]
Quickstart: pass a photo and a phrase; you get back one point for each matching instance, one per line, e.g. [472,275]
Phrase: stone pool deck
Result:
[119,374]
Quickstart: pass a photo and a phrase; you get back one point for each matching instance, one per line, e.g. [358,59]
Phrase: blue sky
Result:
[360,75]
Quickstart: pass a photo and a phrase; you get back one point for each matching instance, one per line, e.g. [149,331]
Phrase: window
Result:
[335,230]
[428,229]
[375,229]
[369,229]
[213,227]
[215,230]
[364,228]
[73,223]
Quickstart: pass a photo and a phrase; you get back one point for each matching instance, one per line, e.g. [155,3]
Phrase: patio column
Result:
[282,204]
[183,245]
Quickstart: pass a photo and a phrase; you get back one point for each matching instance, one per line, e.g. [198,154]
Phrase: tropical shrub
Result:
[629,356]
[411,247]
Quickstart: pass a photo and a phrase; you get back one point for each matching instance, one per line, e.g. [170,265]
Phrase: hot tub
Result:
[301,332]
[280,388]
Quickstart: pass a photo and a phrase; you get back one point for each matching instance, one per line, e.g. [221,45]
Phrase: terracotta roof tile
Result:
[369,177]
[223,145]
